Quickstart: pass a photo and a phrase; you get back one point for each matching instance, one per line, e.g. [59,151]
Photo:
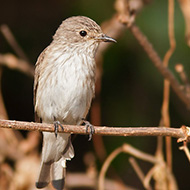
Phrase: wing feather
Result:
[36,79]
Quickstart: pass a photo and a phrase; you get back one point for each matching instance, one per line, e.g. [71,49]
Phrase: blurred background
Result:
[131,87]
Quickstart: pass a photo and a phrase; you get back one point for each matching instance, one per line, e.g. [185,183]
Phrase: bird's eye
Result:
[83,33]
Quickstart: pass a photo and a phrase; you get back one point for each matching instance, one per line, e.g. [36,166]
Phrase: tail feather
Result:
[44,177]
[69,153]
[58,172]
[55,152]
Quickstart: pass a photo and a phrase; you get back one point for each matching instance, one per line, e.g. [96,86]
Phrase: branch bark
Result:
[182,133]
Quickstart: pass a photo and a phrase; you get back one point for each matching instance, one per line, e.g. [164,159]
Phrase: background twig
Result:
[12,41]
[158,63]
[166,93]
[12,62]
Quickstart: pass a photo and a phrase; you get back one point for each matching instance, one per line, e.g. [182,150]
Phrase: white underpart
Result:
[68,90]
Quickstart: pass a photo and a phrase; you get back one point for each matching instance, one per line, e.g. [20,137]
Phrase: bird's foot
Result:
[56,125]
[90,127]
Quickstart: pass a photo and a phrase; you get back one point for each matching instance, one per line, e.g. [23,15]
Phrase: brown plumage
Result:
[63,90]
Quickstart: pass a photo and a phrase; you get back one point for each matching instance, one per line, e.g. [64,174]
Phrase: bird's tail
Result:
[44,176]
[54,172]
[55,152]
[58,172]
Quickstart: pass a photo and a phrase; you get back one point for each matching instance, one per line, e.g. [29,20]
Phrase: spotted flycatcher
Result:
[63,90]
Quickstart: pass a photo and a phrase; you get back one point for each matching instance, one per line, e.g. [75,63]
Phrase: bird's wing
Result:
[36,79]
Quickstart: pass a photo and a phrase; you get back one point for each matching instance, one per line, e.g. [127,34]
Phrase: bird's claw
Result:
[56,125]
[91,127]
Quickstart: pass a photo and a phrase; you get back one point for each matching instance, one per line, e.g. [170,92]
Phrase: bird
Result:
[64,86]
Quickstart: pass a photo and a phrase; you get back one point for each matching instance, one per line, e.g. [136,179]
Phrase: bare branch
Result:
[13,62]
[185,7]
[184,78]
[186,150]
[158,164]
[3,112]
[139,173]
[12,41]
[182,133]
[166,94]
[148,48]
[81,180]
[105,166]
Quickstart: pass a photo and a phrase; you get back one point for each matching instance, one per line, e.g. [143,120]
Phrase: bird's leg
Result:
[56,126]
[90,126]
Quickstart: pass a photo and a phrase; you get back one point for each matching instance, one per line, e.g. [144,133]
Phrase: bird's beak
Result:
[105,38]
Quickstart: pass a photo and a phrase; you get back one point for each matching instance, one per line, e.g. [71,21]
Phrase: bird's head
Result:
[80,32]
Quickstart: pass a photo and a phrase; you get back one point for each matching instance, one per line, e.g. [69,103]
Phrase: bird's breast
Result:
[67,90]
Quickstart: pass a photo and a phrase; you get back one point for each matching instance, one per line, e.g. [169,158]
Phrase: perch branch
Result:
[183,133]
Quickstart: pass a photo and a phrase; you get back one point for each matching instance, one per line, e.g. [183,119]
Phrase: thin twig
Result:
[185,7]
[149,175]
[170,33]
[186,150]
[139,154]
[166,95]
[3,112]
[105,167]
[137,169]
[125,148]
[83,181]
[13,62]
[184,78]
[139,173]
[12,42]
